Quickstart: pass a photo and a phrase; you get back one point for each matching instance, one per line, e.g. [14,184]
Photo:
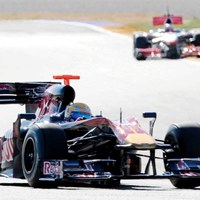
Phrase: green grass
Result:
[193,23]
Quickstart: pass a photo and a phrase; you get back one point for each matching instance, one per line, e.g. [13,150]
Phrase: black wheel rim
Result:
[29,155]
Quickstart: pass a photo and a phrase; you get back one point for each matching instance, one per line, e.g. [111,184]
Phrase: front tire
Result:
[184,140]
[140,42]
[42,142]
[197,42]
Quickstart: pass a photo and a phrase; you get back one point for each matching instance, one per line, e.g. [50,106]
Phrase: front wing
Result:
[99,169]
[52,170]
[191,51]
[188,51]
[152,52]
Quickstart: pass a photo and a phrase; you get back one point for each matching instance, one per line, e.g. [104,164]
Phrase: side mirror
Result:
[150,115]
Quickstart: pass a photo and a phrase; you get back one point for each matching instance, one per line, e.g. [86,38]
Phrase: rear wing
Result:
[167,19]
[23,92]
[28,92]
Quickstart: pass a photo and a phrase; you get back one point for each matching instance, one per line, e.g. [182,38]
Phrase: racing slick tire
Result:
[42,142]
[197,41]
[140,42]
[184,140]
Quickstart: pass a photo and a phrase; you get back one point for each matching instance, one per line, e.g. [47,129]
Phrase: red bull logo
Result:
[52,168]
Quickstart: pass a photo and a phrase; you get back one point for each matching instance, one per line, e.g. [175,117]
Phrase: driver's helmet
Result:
[169,27]
[77,111]
[57,97]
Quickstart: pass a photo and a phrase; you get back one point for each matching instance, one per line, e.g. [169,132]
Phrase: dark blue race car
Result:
[47,149]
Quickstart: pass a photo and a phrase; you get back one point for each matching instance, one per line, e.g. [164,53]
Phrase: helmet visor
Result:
[75,115]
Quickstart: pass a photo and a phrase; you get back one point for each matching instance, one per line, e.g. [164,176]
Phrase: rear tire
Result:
[42,142]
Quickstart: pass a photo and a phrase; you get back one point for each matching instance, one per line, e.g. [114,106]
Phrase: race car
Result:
[47,149]
[168,42]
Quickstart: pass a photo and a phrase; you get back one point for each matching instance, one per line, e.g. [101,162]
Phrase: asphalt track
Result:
[110,79]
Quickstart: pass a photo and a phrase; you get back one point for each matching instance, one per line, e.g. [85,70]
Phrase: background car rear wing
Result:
[23,93]
[164,19]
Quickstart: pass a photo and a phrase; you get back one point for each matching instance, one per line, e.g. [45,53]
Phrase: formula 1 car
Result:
[46,150]
[168,42]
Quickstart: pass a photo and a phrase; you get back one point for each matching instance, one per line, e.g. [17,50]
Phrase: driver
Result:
[76,112]
[169,28]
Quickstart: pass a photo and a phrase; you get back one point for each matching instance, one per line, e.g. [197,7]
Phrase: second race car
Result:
[167,42]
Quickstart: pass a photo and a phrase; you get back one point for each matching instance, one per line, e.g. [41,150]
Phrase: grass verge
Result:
[125,23]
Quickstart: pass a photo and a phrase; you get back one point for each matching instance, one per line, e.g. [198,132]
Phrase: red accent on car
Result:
[66,78]
[162,20]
